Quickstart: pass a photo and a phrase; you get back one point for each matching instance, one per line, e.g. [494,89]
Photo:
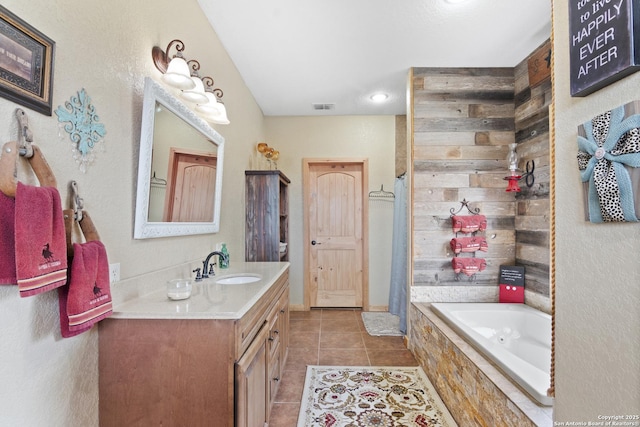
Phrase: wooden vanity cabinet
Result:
[195,372]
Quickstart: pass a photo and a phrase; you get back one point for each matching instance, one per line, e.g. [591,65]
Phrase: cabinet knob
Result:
[313,242]
[276,378]
[276,331]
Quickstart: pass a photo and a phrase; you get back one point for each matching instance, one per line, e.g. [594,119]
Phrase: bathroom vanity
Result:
[214,359]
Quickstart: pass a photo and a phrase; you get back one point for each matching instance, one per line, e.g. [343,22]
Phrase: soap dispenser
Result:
[224,261]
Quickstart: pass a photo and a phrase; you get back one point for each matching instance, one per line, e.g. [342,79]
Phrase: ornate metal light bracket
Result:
[83,127]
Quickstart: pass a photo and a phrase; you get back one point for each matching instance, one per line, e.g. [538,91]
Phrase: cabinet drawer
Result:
[273,341]
[250,324]
[275,375]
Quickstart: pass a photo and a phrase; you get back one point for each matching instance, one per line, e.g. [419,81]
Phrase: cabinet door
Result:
[252,383]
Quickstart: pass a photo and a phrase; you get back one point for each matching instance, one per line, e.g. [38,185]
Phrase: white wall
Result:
[105,47]
[597,266]
[371,137]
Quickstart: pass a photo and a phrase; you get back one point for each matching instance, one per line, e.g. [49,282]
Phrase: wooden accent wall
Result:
[463,121]
[532,135]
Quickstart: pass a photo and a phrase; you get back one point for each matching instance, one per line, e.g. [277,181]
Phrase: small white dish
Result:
[179,289]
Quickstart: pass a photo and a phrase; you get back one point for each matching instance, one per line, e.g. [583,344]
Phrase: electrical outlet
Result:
[114,272]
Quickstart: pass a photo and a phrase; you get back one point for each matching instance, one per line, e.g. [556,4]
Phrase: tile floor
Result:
[329,337]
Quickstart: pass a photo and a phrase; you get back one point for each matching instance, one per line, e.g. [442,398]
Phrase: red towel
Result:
[87,298]
[469,244]
[7,241]
[469,223]
[468,266]
[40,241]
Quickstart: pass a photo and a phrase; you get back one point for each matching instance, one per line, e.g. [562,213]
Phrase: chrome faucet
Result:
[207,269]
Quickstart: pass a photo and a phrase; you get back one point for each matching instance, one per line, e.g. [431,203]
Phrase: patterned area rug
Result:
[381,323]
[367,396]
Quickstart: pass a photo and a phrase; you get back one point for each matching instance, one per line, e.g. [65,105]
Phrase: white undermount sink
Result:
[238,279]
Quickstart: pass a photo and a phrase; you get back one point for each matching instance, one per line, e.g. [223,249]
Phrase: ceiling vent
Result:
[324,106]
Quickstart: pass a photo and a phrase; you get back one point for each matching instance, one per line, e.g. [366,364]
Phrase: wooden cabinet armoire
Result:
[267,216]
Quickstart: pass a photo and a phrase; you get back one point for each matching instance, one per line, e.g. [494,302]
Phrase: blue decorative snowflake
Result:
[83,126]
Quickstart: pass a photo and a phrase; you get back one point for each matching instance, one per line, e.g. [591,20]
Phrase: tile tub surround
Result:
[473,389]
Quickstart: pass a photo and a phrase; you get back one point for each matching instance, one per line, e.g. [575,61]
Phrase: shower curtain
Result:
[398,288]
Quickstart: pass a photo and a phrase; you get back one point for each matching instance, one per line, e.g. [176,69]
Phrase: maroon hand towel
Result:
[468,266]
[469,223]
[469,244]
[40,241]
[87,298]
[7,241]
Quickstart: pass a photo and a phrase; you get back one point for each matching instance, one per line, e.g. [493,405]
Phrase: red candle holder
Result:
[513,186]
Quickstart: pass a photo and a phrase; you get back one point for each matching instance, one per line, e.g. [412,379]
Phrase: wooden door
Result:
[191,186]
[336,234]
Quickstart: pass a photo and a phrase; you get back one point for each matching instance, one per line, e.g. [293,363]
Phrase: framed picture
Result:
[604,43]
[26,63]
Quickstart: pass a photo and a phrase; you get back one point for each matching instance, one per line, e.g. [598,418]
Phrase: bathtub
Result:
[515,337]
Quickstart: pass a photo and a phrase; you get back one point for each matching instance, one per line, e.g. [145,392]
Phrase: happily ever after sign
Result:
[604,38]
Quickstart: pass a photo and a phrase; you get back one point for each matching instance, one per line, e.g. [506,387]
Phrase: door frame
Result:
[364,163]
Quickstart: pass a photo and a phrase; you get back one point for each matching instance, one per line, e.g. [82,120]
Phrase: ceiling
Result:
[293,54]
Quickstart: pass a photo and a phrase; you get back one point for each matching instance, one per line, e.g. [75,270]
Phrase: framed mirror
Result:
[179,170]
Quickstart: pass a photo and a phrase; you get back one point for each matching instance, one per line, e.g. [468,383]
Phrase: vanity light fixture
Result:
[175,69]
[182,74]
[195,95]
[214,110]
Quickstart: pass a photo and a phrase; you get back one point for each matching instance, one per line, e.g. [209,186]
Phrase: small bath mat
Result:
[381,324]
[370,396]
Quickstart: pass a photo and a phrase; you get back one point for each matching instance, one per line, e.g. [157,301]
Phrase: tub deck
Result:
[516,337]
[474,389]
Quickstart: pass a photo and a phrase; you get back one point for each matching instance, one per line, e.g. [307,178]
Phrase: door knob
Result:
[313,242]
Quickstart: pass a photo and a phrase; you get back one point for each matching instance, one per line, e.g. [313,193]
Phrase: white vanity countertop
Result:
[209,300]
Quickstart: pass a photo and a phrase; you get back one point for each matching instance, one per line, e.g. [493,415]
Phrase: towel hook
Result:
[78,202]
[26,136]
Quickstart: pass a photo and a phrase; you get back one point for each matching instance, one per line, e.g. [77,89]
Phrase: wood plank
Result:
[491,110]
[459,166]
[455,195]
[462,83]
[445,180]
[433,222]
[539,64]
[532,223]
[536,254]
[534,207]
[533,237]
[444,138]
[489,209]
[446,152]
[465,125]
[495,138]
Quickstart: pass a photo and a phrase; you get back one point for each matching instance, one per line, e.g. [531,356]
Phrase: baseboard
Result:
[300,307]
[378,308]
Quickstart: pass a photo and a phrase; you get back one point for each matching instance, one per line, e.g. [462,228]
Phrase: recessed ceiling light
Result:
[379,97]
